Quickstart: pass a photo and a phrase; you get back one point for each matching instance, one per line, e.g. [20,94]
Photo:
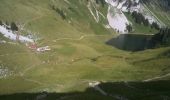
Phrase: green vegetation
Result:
[162,38]
[139,27]
[14,27]
[78,55]
[160,8]
[102,2]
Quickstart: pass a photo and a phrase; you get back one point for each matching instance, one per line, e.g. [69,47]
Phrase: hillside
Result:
[67,53]
[160,8]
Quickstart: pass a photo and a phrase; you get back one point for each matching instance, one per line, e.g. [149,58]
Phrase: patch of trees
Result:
[168,3]
[59,11]
[102,2]
[162,37]
[14,27]
[140,19]
[155,25]
[11,26]
[129,27]
[145,1]
[7,23]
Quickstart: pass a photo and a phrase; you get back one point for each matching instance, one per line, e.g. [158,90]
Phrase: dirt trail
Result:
[34,81]
[29,68]
[12,54]
[80,38]
[156,78]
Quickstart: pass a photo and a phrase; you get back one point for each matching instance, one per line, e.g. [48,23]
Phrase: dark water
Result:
[132,42]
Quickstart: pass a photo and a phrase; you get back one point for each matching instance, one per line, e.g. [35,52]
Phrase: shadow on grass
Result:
[155,90]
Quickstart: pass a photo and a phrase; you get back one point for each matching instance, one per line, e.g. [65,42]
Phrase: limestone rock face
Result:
[125,5]
[116,18]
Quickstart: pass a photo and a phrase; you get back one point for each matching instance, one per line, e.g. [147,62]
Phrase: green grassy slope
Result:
[138,28]
[157,7]
[79,54]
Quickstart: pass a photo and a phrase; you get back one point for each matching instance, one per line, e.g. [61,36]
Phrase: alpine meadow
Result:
[84,50]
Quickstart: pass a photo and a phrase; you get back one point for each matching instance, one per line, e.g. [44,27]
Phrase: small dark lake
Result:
[132,42]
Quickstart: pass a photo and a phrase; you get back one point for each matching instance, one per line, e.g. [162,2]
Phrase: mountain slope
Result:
[76,32]
[160,9]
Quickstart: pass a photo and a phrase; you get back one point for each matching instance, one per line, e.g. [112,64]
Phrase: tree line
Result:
[59,11]
[140,19]
[12,25]
[162,37]
[102,2]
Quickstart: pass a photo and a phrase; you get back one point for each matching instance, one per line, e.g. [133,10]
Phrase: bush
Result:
[61,13]
[14,27]
[129,27]
[155,25]
[102,2]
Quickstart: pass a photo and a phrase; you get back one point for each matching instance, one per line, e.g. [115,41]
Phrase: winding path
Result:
[80,38]
[156,78]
